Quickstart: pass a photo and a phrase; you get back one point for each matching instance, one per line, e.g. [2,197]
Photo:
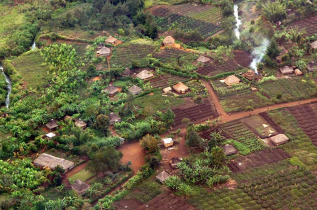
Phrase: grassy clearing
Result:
[146,191]
[11,19]
[83,175]
[32,69]
[156,102]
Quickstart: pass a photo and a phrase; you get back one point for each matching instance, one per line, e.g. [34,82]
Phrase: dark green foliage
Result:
[273,50]
[102,123]
[192,138]
[218,156]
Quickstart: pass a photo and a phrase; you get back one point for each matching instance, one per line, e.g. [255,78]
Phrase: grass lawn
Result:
[157,102]
[146,191]
[4,196]
[32,69]
[83,175]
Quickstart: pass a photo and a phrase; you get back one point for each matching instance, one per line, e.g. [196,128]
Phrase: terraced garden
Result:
[174,56]
[218,68]
[308,24]
[124,55]
[238,131]
[166,80]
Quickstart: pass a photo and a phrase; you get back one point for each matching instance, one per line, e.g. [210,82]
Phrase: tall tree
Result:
[192,138]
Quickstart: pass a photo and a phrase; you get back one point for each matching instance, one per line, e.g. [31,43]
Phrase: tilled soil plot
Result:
[167,201]
[259,158]
[195,113]
[217,68]
[307,120]
[243,58]
[309,24]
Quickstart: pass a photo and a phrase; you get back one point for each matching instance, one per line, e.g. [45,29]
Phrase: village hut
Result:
[126,72]
[232,80]
[145,74]
[114,118]
[104,51]
[287,70]
[161,177]
[312,66]
[111,40]
[80,187]
[168,41]
[180,88]
[51,125]
[229,149]
[50,135]
[298,72]
[313,45]
[168,142]
[111,90]
[80,124]
[203,59]
[175,161]
[279,139]
[249,75]
[167,90]
[135,90]
[50,161]
[100,45]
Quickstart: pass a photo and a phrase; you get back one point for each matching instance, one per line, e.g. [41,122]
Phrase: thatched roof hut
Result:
[161,177]
[298,72]
[50,161]
[229,149]
[111,90]
[80,187]
[145,74]
[135,90]
[180,88]
[203,59]
[287,70]
[104,51]
[80,124]
[167,90]
[51,125]
[114,118]
[168,41]
[126,72]
[279,139]
[312,66]
[249,75]
[100,45]
[232,80]
[313,45]
[111,40]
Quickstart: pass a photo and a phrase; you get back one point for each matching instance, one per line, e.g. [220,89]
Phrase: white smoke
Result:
[238,21]
[258,53]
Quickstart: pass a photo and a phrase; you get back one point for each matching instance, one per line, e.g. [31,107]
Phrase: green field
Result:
[32,69]
[83,175]
[11,19]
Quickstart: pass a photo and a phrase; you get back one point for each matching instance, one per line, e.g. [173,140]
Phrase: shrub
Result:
[173,182]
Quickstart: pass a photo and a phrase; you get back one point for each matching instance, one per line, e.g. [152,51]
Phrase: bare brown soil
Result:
[217,68]
[243,58]
[134,153]
[308,24]
[258,158]
[166,201]
[127,204]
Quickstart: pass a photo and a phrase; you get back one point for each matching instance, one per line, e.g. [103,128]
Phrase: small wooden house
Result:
[145,74]
[168,41]
[80,187]
[279,139]
[51,125]
[135,90]
[111,40]
[232,80]
[287,70]
[168,142]
[161,177]
[80,124]
[180,88]
[114,118]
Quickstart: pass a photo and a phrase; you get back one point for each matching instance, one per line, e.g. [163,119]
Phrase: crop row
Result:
[166,81]
[217,68]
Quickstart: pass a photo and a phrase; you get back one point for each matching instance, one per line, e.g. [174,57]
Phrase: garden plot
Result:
[243,58]
[289,89]
[166,80]
[258,158]
[259,126]
[218,68]
[307,120]
[239,97]
[285,189]
[238,131]
[174,56]
[124,55]
[195,113]
[187,18]
[308,24]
